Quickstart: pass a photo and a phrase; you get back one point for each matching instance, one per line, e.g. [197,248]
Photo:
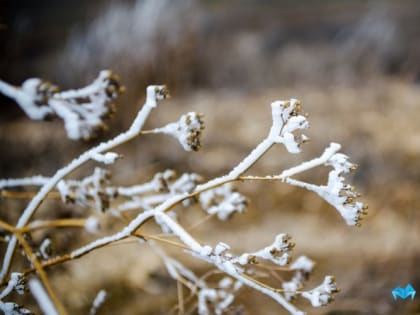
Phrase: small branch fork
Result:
[287,118]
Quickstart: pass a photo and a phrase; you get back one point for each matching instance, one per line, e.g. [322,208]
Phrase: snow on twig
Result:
[154,200]
[42,297]
[154,93]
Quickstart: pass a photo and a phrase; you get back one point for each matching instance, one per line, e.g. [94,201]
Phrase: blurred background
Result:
[355,65]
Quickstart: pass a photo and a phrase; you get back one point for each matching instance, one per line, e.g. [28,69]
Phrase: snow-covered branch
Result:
[26,181]
[153,94]
[41,296]
[82,110]
[155,200]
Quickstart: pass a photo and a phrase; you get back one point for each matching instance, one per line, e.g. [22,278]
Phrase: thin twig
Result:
[180,298]
[41,273]
[59,223]
[26,194]
[133,131]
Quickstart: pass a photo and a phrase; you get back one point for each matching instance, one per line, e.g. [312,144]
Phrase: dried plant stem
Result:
[37,225]
[263,285]
[180,292]
[142,218]
[26,194]
[163,193]
[163,240]
[234,175]
[7,227]
[61,259]
[132,132]
[196,248]
[60,223]
[172,202]
[270,267]
[41,273]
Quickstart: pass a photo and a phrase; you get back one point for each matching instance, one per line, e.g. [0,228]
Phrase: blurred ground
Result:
[354,65]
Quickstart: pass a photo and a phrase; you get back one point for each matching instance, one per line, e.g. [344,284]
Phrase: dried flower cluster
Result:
[187,130]
[82,110]
[155,200]
[93,191]
[223,201]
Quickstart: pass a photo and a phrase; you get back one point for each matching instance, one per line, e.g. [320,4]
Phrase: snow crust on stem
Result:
[154,93]
[42,297]
[155,200]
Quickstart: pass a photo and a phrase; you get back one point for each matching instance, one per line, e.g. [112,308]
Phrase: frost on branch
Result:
[340,195]
[96,191]
[93,191]
[45,249]
[185,184]
[82,110]
[223,201]
[107,158]
[212,299]
[239,267]
[98,302]
[16,283]
[163,186]
[159,183]
[217,300]
[41,296]
[10,308]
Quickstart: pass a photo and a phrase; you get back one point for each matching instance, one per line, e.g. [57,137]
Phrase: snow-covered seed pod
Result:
[287,119]
[323,294]
[188,130]
[223,201]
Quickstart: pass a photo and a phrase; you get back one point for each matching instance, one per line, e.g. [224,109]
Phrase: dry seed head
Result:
[252,259]
[162,92]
